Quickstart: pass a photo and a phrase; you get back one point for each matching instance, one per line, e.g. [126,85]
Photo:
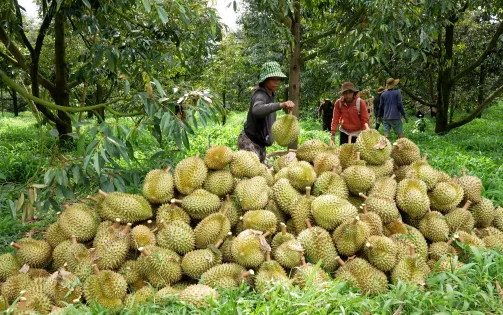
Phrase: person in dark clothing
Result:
[377,101]
[326,111]
[390,108]
[256,134]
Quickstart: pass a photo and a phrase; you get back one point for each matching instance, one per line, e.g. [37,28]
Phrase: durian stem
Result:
[308,192]
[308,224]
[393,176]
[145,251]
[127,229]
[340,261]
[358,156]
[16,245]
[117,223]
[246,274]
[76,301]
[219,243]
[397,145]
[364,208]
[356,219]
[268,255]
[303,260]
[58,213]
[454,179]
[362,195]
[22,304]
[96,270]
[177,201]
[467,204]
[449,242]
[292,150]
[283,228]
[197,155]
[163,224]
[369,245]
[463,172]
[101,192]
[167,169]
[226,209]
[266,234]
[74,239]
[228,198]
[425,156]
[92,198]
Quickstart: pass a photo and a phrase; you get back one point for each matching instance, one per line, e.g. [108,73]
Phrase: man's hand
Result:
[366,126]
[332,143]
[287,104]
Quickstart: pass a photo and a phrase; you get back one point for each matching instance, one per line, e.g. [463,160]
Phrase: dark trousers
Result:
[326,123]
[245,143]
[377,125]
[344,138]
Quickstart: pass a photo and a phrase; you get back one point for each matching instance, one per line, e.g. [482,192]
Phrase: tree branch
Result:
[19,17]
[409,92]
[489,48]
[478,110]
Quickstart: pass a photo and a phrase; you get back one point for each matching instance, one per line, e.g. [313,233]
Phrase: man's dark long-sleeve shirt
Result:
[391,105]
[377,101]
[261,116]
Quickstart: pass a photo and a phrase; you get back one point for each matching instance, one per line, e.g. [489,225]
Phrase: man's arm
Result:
[260,108]
[401,109]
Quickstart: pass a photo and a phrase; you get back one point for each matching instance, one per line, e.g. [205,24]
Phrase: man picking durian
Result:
[257,134]
[350,112]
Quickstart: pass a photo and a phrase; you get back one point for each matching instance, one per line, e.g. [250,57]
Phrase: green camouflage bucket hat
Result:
[270,69]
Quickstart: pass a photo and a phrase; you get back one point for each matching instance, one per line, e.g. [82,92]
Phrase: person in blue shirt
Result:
[390,108]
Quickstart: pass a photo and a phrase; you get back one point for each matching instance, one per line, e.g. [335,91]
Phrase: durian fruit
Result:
[384,170]
[199,295]
[218,157]
[330,211]
[166,294]
[281,237]
[3,304]
[405,152]
[331,183]
[302,211]
[460,219]
[282,173]
[445,263]
[139,297]
[372,219]
[129,270]
[347,154]
[199,204]
[466,239]
[252,193]
[79,220]
[412,197]
[260,220]
[284,161]
[443,177]
[224,276]
[381,252]
[34,253]
[190,174]
[356,201]
[288,253]
[111,250]
[286,130]
[232,209]
[36,301]
[384,206]
[225,249]
[106,287]
[268,174]
[301,175]
[407,236]
[374,148]
[66,288]
[358,177]
[483,212]
[472,187]
[54,234]
[361,274]
[127,207]
[412,269]
[350,236]
[402,172]
[385,186]
[439,249]
[160,266]
[176,236]
[498,218]
[214,227]
[285,195]
[74,253]
[308,275]
[249,247]
[158,186]
[245,164]
[492,237]
[197,262]
[219,182]
[425,172]
[84,267]
[269,274]
[14,284]
[9,266]
[318,246]
[142,236]
[170,213]
[325,162]
[308,150]
[446,196]
[280,216]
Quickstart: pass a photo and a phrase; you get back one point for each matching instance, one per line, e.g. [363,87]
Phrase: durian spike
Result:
[425,156]
[467,204]
[96,270]
[167,169]
[117,223]
[268,255]
[412,251]
[350,138]
[241,218]
[308,224]
[358,156]
[92,198]
[362,195]
[363,207]
[303,260]
[266,234]
[16,245]
[101,192]
[283,228]
[145,251]
[126,229]
[308,192]
[177,201]
[463,172]
[246,274]
[74,239]
[369,245]
[22,304]
[22,293]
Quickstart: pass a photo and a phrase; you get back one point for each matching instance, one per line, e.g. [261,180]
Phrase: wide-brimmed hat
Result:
[271,69]
[380,90]
[348,86]
[391,83]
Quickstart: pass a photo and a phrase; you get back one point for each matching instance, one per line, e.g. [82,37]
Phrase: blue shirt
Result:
[391,105]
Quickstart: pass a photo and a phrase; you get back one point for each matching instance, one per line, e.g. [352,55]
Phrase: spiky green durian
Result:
[288,253]
[347,154]
[385,186]
[106,287]
[190,174]
[472,187]
[139,297]
[483,212]
[381,252]
[302,211]
[301,175]
[54,235]
[411,268]
[64,286]
[280,216]
[492,238]
[282,173]
[309,275]
[412,197]
[384,206]
[405,152]
[460,219]
[281,237]
[14,284]
[318,245]
[219,182]
[358,177]
[331,183]
[439,249]
[286,130]
[218,157]
[197,262]
[408,236]
[245,164]
[34,253]
[284,161]
[127,207]
[424,172]
[177,236]
[374,148]
[350,236]
[158,186]
[129,270]
[383,170]
[329,211]
[269,274]
[252,193]
[9,266]
[79,220]
[249,247]
[285,195]
[170,213]
[112,248]
[198,295]
[160,266]
[199,204]
[446,196]
[232,209]
[308,150]
[434,227]
[261,220]
[498,218]
[224,276]
[142,236]
[326,161]
[214,227]
[372,219]
[361,274]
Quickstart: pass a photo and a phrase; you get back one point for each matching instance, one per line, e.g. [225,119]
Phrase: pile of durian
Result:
[369,213]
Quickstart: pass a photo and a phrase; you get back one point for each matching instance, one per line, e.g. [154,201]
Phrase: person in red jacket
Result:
[350,112]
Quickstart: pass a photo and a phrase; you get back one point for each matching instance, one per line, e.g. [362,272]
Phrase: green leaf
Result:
[49,176]
[86,3]
[54,132]
[127,87]
[111,61]
[160,90]
[162,14]
[146,5]
[187,127]
[76,174]
[185,139]
[96,163]
[82,123]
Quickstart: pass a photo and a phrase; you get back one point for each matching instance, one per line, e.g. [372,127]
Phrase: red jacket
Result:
[348,117]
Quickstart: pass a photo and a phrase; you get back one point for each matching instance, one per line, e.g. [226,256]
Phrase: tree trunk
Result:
[15,107]
[444,85]
[1,99]
[482,81]
[294,75]
[99,100]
